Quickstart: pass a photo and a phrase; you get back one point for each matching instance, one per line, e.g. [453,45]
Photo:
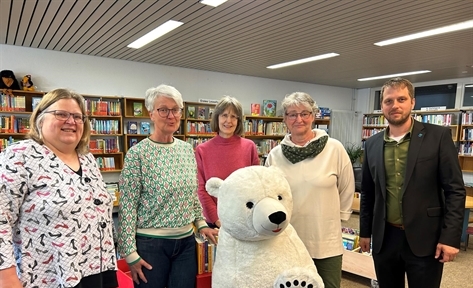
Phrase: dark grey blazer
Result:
[433,194]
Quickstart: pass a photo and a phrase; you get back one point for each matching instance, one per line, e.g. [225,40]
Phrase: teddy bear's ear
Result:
[212,186]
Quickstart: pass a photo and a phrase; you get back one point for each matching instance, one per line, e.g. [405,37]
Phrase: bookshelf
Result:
[465,150]
[135,114]
[15,112]
[196,122]
[267,132]
[105,116]
[374,123]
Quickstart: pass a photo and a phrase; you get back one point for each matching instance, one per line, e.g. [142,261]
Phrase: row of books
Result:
[199,128]
[4,143]
[12,103]
[106,163]
[439,119]
[110,145]
[206,252]
[12,124]
[102,107]
[144,127]
[467,118]
[104,126]
[260,127]
[265,146]
[466,148]
[196,141]
[350,238]
[367,133]
[324,113]
[375,121]
[199,112]
[467,134]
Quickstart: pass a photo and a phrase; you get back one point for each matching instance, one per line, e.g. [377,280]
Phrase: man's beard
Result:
[397,122]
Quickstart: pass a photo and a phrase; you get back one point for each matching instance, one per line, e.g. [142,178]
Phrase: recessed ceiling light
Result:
[162,29]
[213,3]
[441,30]
[305,60]
[394,75]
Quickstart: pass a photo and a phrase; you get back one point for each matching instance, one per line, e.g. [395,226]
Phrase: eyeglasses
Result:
[64,116]
[227,116]
[304,115]
[164,112]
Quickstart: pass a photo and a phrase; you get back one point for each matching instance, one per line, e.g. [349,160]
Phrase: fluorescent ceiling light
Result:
[213,3]
[469,86]
[155,34]
[394,75]
[305,60]
[441,30]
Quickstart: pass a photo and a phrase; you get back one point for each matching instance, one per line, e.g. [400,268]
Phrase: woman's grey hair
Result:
[299,98]
[222,105]
[36,118]
[162,90]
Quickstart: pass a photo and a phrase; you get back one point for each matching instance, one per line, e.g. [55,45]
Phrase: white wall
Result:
[106,76]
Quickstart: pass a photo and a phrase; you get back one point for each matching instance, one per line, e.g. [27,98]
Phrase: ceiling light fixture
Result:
[305,60]
[395,75]
[441,30]
[213,3]
[162,29]
[468,86]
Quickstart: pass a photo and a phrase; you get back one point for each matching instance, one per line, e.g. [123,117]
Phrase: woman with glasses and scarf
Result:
[320,174]
[224,153]
[159,207]
[55,213]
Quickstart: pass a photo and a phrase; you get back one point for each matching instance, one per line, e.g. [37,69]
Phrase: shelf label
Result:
[209,101]
[433,108]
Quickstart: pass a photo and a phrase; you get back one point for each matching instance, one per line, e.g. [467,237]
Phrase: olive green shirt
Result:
[395,159]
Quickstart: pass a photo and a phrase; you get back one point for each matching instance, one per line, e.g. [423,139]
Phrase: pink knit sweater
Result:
[219,157]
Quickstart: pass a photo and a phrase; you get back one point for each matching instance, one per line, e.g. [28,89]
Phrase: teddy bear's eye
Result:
[249,205]
[279,197]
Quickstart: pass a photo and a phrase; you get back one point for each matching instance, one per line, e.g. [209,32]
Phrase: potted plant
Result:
[355,152]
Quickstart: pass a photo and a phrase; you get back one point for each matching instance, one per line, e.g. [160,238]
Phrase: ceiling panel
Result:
[243,37]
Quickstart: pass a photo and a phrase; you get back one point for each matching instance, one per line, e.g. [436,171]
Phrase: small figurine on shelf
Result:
[8,82]
[27,83]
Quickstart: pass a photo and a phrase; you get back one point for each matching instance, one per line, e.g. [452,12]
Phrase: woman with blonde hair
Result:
[55,213]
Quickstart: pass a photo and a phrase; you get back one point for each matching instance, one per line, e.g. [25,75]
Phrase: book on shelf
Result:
[211,112]
[132,127]
[269,108]
[112,189]
[324,112]
[34,102]
[201,114]
[133,142]
[255,109]
[191,112]
[137,109]
[145,128]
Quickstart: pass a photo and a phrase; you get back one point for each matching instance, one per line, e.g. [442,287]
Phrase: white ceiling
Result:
[243,37]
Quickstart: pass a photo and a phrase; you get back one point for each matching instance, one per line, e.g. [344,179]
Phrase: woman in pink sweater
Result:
[224,153]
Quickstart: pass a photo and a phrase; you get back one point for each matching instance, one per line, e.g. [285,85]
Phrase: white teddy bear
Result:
[257,247]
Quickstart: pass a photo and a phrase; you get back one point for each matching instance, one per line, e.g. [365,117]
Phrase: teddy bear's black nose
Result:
[277,217]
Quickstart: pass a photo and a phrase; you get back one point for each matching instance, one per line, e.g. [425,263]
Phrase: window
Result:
[468,95]
[432,96]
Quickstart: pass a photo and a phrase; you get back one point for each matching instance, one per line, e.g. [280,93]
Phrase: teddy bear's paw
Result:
[304,277]
[296,283]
